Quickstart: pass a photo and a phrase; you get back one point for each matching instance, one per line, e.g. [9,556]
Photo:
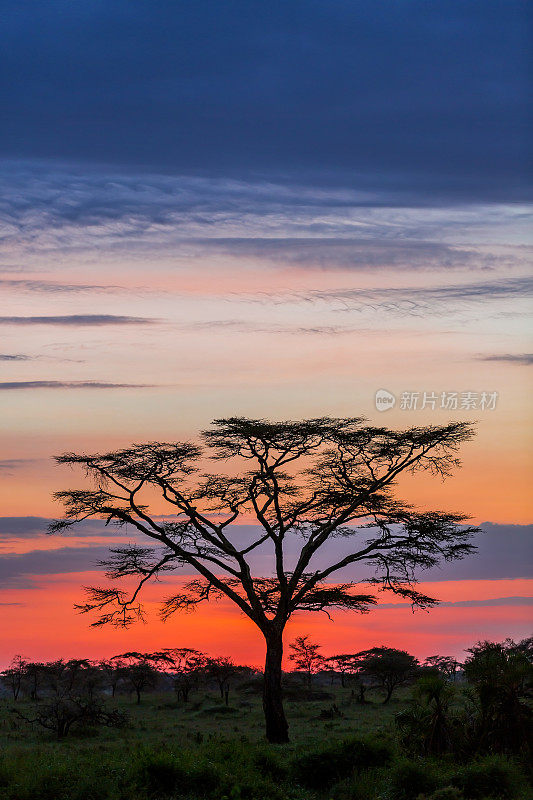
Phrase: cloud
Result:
[524,359]
[281,88]
[55,287]
[11,385]
[350,253]
[15,567]
[50,209]
[77,319]
[504,552]
[493,601]
[7,465]
[409,301]
[29,527]
[245,326]
[14,357]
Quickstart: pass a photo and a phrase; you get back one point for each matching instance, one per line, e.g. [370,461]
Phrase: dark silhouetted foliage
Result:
[314,479]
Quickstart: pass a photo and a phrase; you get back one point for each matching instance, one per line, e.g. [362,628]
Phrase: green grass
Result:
[200,750]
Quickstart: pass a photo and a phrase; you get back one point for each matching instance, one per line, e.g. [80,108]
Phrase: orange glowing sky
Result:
[289,311]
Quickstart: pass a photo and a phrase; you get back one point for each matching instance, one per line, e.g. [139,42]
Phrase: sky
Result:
[275,210]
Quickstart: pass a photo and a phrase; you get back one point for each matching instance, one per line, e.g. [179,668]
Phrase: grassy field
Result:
[204,749]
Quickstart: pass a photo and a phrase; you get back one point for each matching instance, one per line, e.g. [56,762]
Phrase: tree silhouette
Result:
[224,672]
[388,668]
[140,670]
[305,483]
[502,676]
[306,657]
[14,675]
[446,665]
[188,668]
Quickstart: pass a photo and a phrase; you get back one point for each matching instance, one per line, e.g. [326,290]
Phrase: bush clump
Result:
[321,768]
[164,773]
[409,779]
[445,793]
[492,776]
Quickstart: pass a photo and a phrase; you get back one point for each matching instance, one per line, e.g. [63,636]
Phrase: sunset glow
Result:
[234,243]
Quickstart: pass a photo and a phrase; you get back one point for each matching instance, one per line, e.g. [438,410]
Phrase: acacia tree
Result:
[13,676]
[139,670]
[306,657]
[446,665]
[224,672]
[388,668]
[188,668]
[307,482]
[344,664]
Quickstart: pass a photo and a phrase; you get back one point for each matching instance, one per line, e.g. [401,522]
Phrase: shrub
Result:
[158,772]
[492,776]
[409,779]
[269,765]
[360,787]
[219,710]
[53,782]
[5,775]
[446,793]
[162,772]
[321,768]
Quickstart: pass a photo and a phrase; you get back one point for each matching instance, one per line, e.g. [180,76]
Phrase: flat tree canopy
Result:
[312,481]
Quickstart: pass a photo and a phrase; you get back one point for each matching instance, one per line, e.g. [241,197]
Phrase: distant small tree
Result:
[306,657]
[34,675]
[224,672]
[13,676]
[70,699]
[111,674]
[188,668]
[345,665]
[388,668]
[446,665]
[304,482]
[139,670]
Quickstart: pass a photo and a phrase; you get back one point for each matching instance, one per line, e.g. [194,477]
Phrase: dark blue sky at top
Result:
[431,95]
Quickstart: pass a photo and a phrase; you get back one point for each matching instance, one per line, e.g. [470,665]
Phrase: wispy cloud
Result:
[29,527]
[30,284]
[247,326]
[14,357]
[493,601]
[366,251]
[78,319]
[15,566]
[408,301]
[49,209]
[8,465]
[524,359]
[9,385]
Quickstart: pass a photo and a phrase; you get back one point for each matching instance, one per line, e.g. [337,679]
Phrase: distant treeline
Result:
[186,670]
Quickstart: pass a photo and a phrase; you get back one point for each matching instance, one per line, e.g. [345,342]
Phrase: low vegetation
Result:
[443,734]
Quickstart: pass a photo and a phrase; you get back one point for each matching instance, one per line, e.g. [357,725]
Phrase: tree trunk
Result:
[277,728]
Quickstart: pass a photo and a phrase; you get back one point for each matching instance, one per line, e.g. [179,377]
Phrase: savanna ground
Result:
[203,749]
